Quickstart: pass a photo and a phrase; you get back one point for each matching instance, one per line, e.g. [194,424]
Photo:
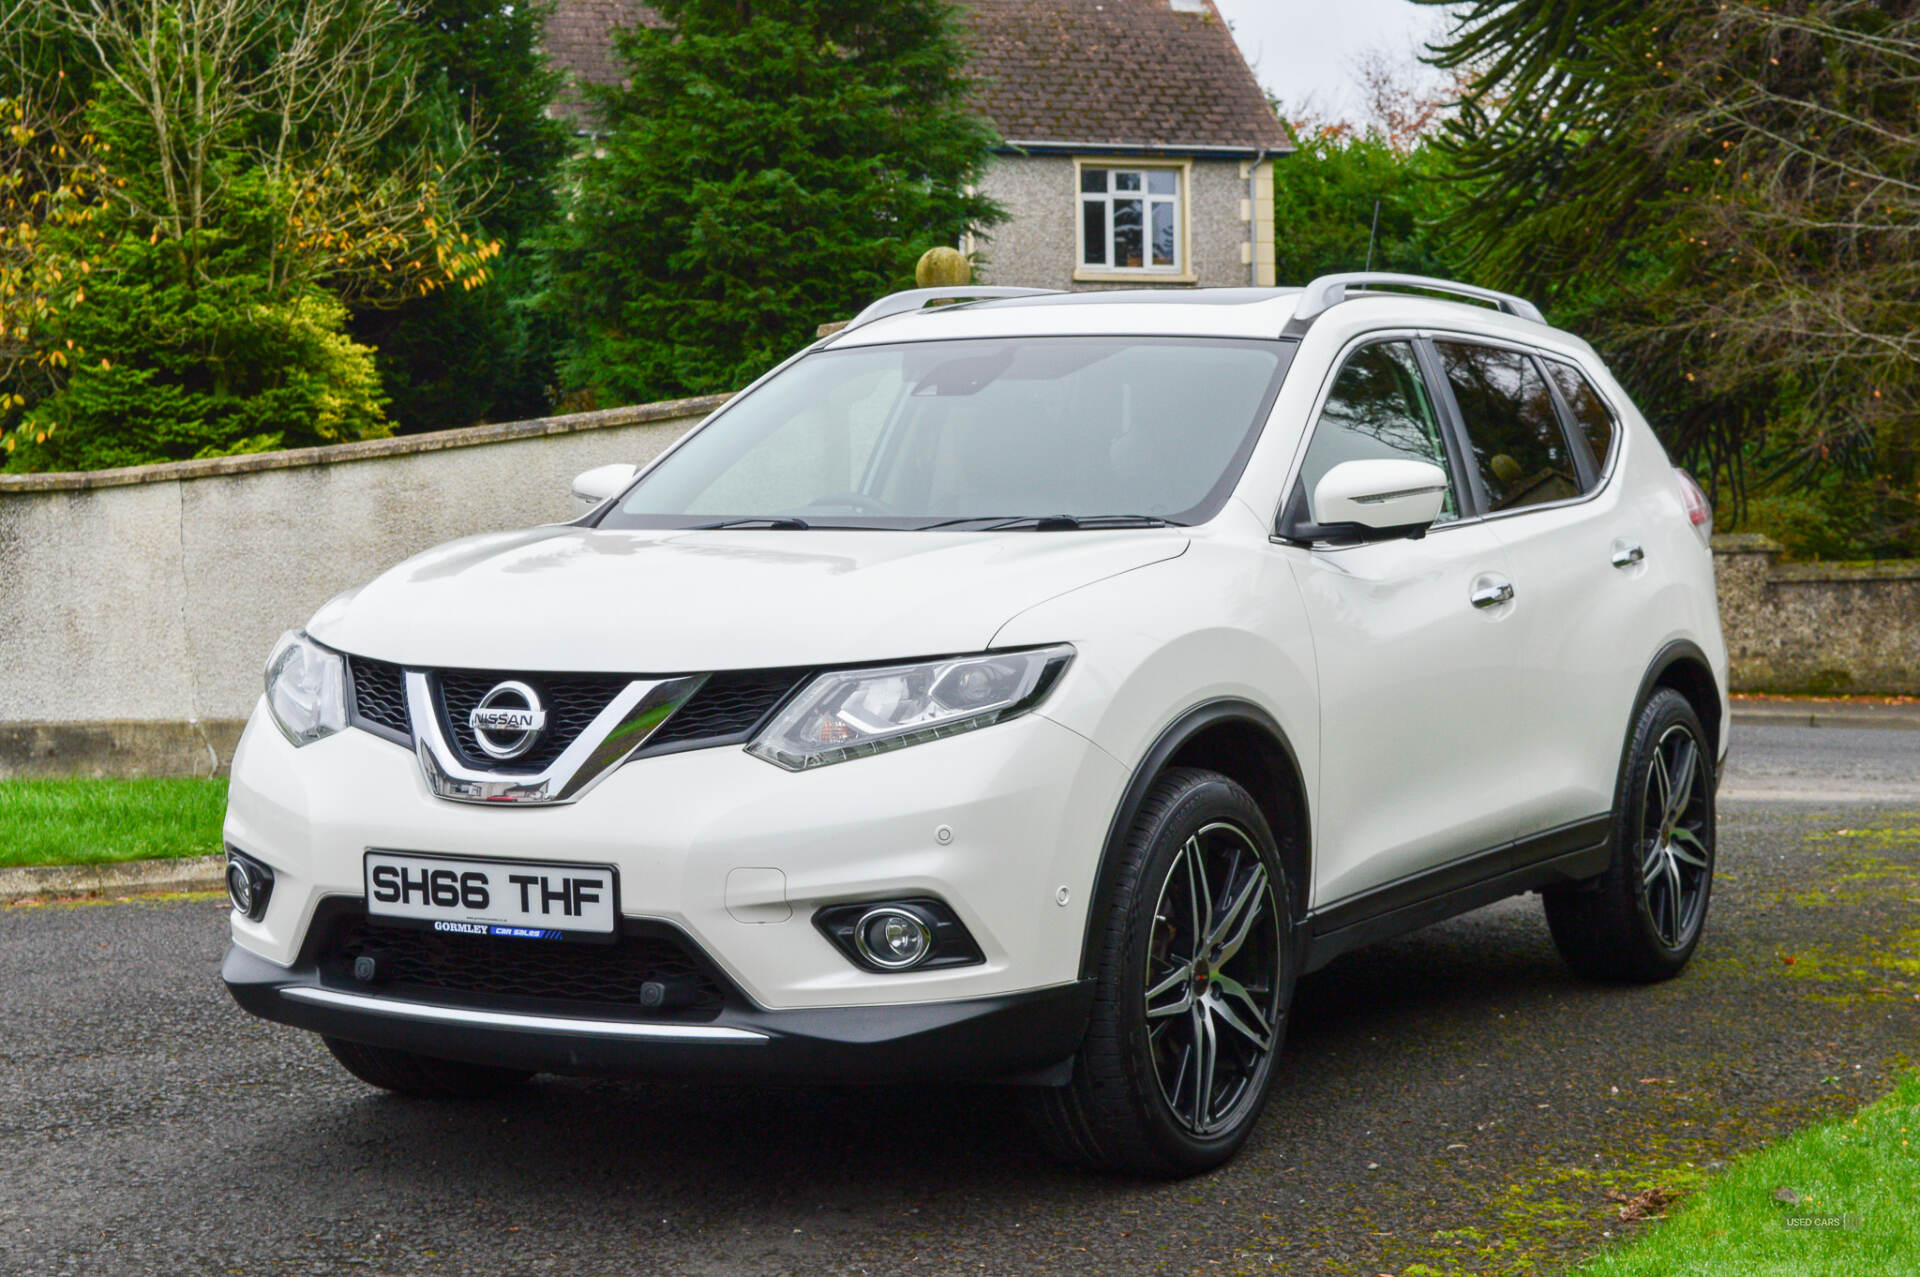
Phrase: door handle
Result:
[1627,553]
[1492,594]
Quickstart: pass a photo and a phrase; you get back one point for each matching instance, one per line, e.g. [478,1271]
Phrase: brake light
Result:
[1699,513]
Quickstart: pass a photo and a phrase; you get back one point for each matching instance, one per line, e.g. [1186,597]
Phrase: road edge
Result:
[127,877]
[1827,714]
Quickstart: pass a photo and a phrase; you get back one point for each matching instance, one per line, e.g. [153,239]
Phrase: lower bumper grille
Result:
[561,976]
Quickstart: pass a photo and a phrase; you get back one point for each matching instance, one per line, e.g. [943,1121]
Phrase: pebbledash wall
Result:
[137,605]
[1038,244]
[1818,627]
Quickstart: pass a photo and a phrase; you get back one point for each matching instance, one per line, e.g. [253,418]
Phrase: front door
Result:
[1414,651]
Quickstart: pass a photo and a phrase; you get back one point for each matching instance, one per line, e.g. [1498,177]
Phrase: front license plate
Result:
[511,899]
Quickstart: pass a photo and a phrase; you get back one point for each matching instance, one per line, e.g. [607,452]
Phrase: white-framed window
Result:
[1131,219]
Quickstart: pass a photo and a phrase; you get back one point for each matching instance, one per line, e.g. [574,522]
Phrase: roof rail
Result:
[919,298]
[1330,290]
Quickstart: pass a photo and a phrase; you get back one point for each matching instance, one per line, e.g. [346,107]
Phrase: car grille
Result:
[572,702]
[379,696]
[565,973]
[726,709]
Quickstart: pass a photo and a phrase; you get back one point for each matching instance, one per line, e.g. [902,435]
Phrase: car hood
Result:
[571,598]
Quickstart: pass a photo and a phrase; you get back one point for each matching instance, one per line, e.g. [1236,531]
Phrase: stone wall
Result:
[138,604]
[1818,627]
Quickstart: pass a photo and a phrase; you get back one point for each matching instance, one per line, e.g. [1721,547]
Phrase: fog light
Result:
[917,934]
[249,883]
[893,938]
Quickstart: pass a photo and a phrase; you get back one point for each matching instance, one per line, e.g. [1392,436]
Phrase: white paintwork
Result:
[1423,727]
[1414,691]
[1381,494]
[591,487]
[1026,803]
[664,602]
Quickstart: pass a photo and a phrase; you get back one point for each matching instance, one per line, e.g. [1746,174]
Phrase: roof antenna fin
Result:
[1373,234]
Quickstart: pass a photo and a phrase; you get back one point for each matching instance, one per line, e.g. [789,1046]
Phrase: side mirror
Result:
[599,483]
[1381,495]
[1371,501]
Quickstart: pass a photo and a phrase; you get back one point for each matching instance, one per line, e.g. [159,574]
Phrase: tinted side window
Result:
[1589,410]
[1379,409]
[1518,446]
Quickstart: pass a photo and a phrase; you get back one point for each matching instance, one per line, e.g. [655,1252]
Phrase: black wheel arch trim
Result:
[1674,653]
[1192,723]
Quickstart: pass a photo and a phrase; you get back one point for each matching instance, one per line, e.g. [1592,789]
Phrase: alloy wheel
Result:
[1676,849]
[1213,989]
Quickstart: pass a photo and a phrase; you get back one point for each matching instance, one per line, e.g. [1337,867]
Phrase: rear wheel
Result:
[421,1076]
[1642,919]
[1195,977]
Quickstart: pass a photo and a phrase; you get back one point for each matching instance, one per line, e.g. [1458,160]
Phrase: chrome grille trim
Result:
[614,736]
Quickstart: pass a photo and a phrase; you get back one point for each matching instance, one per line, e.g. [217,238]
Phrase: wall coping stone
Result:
[1746,543]
[360,450]
[1884,570]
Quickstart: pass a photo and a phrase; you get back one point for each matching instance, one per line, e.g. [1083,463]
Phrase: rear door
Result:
[1414,746]
[1542,445]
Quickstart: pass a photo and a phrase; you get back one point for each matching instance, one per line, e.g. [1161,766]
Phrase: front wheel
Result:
[1642,919]
[1194,981]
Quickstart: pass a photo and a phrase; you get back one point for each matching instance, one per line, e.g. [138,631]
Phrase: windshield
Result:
[1058,432]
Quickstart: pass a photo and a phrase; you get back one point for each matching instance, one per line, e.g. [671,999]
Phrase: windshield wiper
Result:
[778,523]
[1054,522]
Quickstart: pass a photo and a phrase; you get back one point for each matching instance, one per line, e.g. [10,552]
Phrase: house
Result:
[1138,147]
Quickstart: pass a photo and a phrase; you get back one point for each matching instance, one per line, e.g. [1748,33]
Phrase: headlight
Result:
[852,713]
[306,689]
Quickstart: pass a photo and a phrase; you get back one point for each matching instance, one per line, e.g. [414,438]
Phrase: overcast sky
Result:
[1307,47]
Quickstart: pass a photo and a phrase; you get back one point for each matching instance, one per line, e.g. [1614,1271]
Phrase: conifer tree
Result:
[459,356]
[770,164]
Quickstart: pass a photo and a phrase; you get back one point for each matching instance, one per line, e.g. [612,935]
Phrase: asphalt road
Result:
[1823,764]
[1453,1099]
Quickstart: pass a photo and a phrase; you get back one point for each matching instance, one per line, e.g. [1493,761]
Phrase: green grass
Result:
[76,822]
[1863,1171]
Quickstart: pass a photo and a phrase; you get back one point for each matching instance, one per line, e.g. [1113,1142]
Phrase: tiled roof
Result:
[580,42]
[1117,72]
[1081,72]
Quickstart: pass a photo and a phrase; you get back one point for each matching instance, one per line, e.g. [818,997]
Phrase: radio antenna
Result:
[1373,234]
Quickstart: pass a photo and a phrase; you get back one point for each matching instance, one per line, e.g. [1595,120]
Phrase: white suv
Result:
[1027,687]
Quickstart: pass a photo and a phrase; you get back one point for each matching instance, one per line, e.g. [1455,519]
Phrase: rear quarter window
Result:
[1591,416]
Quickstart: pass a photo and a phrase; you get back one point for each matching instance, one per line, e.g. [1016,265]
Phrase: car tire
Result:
[421,1076]
[1134,1104]
[1641,920]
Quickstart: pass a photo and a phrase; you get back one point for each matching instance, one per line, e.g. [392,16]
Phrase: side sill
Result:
[1570,853]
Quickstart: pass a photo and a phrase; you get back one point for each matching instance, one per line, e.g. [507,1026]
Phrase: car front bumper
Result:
[1004,824]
